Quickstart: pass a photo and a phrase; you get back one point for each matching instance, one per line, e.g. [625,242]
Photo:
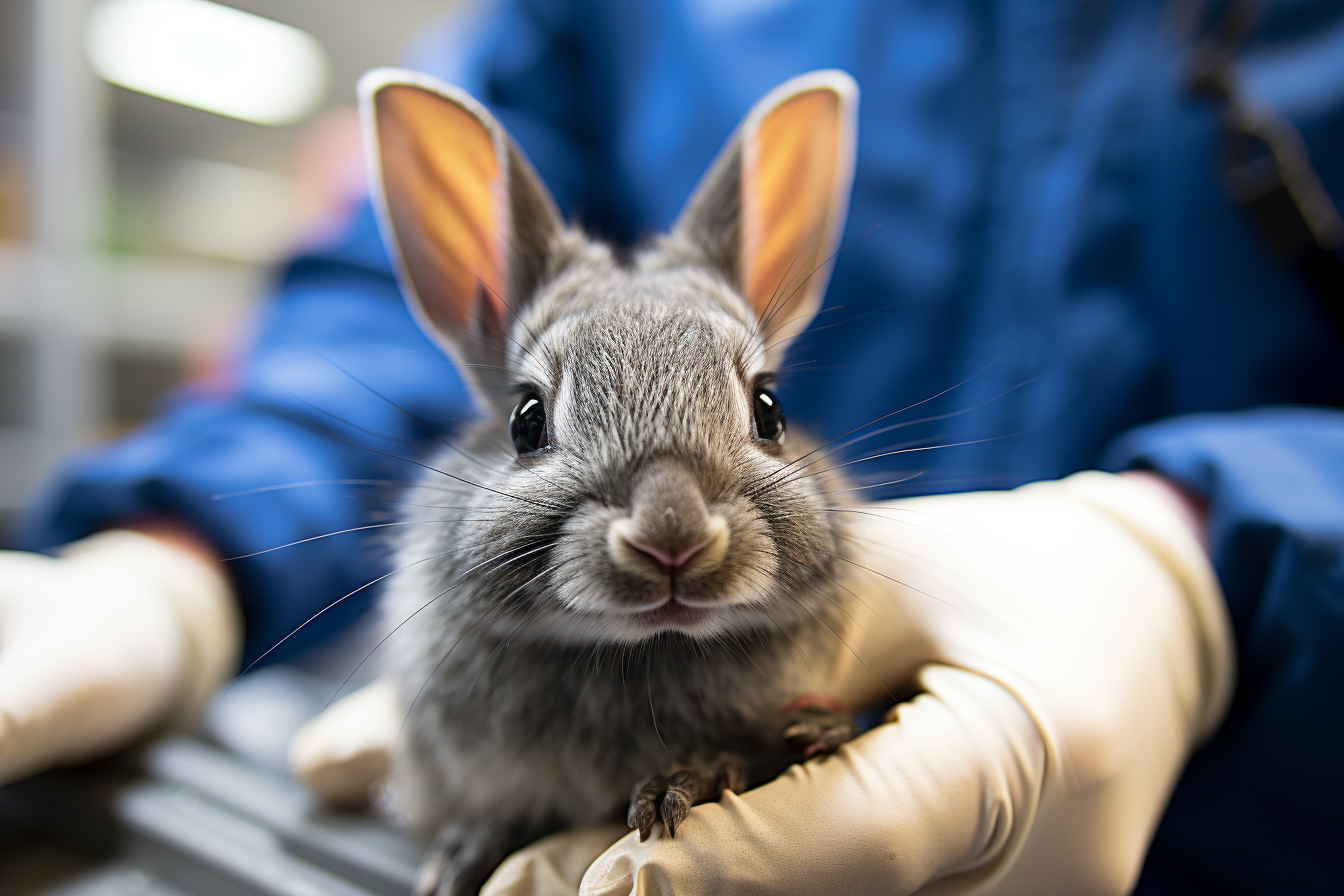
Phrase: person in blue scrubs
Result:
[1041,241]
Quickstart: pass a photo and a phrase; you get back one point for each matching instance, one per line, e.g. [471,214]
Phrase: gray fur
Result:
[538,695]
[536,703]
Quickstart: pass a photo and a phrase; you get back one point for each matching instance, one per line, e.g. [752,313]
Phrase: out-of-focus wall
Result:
[135,233]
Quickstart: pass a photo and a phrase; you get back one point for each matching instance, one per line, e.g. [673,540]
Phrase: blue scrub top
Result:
[1037,237]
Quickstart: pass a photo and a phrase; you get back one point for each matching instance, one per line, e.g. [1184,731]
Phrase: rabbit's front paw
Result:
[817,727]
[668,798]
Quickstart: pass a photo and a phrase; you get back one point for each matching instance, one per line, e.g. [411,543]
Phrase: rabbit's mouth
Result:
[672,613]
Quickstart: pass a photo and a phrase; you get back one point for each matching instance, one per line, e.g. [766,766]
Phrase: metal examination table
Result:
[190,817]
[198,820]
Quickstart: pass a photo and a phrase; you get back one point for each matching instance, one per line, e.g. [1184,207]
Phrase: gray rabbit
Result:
[619,581]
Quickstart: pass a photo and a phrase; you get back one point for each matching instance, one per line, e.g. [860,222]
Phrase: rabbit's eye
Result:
[527,424]
[769,417]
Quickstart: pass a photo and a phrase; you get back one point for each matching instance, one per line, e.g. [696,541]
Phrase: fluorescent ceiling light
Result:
[210,56]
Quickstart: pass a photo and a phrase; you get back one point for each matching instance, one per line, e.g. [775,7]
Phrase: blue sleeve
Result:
[1263,803]
[311,437]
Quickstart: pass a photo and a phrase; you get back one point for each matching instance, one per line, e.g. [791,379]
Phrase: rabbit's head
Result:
[653,485]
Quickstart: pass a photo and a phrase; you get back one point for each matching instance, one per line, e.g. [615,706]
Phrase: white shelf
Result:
[161,306]
[172,302]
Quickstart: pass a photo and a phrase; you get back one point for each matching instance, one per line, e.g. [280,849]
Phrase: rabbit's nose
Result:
[671,562]
[666,560]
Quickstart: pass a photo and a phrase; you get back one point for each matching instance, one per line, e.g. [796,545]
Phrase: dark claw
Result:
[644,805]
[684,789]
[674,809]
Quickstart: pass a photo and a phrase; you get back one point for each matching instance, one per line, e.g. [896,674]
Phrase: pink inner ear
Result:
[790,163]
[446,187]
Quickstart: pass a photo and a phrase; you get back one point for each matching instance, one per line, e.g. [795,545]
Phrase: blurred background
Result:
[156,157]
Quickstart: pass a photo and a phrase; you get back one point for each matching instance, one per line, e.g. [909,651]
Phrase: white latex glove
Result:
[119,634]
[344,750]
[1076,647]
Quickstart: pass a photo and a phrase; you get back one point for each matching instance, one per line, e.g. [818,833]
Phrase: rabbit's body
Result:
[619,611]
[526,712]
[521,731]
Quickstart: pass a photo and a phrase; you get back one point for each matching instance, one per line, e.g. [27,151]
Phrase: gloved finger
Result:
[22,575]
[554,865]
[84,662]
[340,753]
[948,788]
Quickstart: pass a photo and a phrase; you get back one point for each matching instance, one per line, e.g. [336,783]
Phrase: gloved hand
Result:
[1075,649]
[121,633]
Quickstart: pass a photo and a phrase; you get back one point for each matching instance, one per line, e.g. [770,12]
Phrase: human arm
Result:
[327,413]
[304,439]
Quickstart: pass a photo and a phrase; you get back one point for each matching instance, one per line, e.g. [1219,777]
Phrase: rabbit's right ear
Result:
[769,213]
[468,223]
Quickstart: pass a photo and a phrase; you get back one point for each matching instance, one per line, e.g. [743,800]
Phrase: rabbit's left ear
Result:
[769,214]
